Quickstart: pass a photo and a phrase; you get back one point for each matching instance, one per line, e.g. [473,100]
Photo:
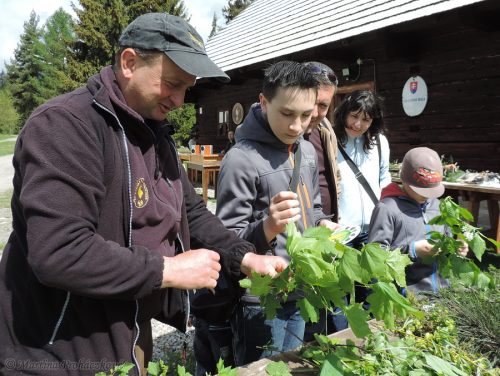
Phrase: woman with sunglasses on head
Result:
[359,126]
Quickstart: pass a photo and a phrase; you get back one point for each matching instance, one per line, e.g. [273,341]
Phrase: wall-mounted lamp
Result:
[200,110]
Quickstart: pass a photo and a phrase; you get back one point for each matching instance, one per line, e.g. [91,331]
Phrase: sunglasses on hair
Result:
[320,71]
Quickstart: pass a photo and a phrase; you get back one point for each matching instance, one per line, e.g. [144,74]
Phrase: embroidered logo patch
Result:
[141,194]
[426,177]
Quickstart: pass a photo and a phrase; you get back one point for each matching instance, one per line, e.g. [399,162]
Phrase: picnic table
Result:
[209,166]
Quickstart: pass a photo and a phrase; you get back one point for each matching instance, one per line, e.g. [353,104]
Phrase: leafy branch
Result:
[450,263]
[324,272]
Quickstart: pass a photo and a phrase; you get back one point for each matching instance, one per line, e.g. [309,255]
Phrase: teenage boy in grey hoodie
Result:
[401,218]
[257,197]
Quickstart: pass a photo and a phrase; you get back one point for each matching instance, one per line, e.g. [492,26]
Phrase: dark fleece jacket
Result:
[71,280]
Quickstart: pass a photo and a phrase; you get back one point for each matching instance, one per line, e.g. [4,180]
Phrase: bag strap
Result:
[294,182]
[358,175]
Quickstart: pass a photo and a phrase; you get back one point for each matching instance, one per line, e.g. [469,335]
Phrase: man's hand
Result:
[264,265]
[284,208]
[195,269]
[424,249]
[332,226]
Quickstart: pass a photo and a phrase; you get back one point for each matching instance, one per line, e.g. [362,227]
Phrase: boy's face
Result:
[289,113]
[414,195]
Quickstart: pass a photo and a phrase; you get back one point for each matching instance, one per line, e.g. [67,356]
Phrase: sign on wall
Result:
[414,97]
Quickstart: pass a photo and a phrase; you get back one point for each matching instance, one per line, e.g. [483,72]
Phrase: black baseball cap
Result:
[176,38]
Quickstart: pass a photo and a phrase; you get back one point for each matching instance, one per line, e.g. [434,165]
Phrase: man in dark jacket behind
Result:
[107,231]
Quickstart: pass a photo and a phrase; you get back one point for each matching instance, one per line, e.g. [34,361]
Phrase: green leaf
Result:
[317,233]
[261,284]
[246,283]
[478,246]
[357,318]
[442,367]
[292,236]
[494,242]
[385,301]
[278,369]
[350,270]
[334,294]
[181,371]
[484,281]
[154,368]
[310,268]
[307,310]
[123,369]
[271,305]
[397,262]
[225,371]
[373,259]
[466,215]
[464,270]
[332,366]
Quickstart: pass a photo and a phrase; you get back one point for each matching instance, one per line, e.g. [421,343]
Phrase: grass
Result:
[7,147]
[5,136]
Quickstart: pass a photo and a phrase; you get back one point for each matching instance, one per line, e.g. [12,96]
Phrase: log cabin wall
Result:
[457,53]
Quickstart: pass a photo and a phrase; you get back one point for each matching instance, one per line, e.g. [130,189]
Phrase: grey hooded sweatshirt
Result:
[398,222]
[254,170]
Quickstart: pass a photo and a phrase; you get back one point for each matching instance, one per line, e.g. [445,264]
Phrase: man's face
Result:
[155,89]
[230,136]
[323,102]
[289,113]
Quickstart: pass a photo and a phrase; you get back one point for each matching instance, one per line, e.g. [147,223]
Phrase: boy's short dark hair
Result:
[287,74]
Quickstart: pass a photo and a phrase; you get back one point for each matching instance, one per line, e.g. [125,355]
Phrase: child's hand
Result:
[463,250]
[424,249]
[284,208]
[332,226]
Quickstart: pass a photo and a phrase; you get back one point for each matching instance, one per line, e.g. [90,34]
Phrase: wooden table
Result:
[206,167]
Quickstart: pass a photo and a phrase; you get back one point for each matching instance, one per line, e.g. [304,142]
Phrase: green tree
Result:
[25,71]
[183,118]
[234,7]
[9,119]
[99,26]
[58,37]
[215,27]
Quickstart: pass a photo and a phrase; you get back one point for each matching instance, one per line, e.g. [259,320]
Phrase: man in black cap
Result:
[107,231]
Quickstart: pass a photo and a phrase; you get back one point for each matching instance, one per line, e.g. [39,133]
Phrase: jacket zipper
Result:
[434,277]
[61,317]
[131,212]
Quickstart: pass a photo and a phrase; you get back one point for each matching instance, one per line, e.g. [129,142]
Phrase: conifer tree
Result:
[25,70]
[234,7]
[58,37]
[215,27]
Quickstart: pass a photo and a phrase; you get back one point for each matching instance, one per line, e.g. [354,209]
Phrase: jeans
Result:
[255,337]
[211,343]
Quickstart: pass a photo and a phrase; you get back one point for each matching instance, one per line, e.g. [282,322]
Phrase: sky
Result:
[16,12]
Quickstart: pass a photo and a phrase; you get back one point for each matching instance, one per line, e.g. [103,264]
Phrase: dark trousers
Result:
[211,343]
[328,323]
[256,337]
